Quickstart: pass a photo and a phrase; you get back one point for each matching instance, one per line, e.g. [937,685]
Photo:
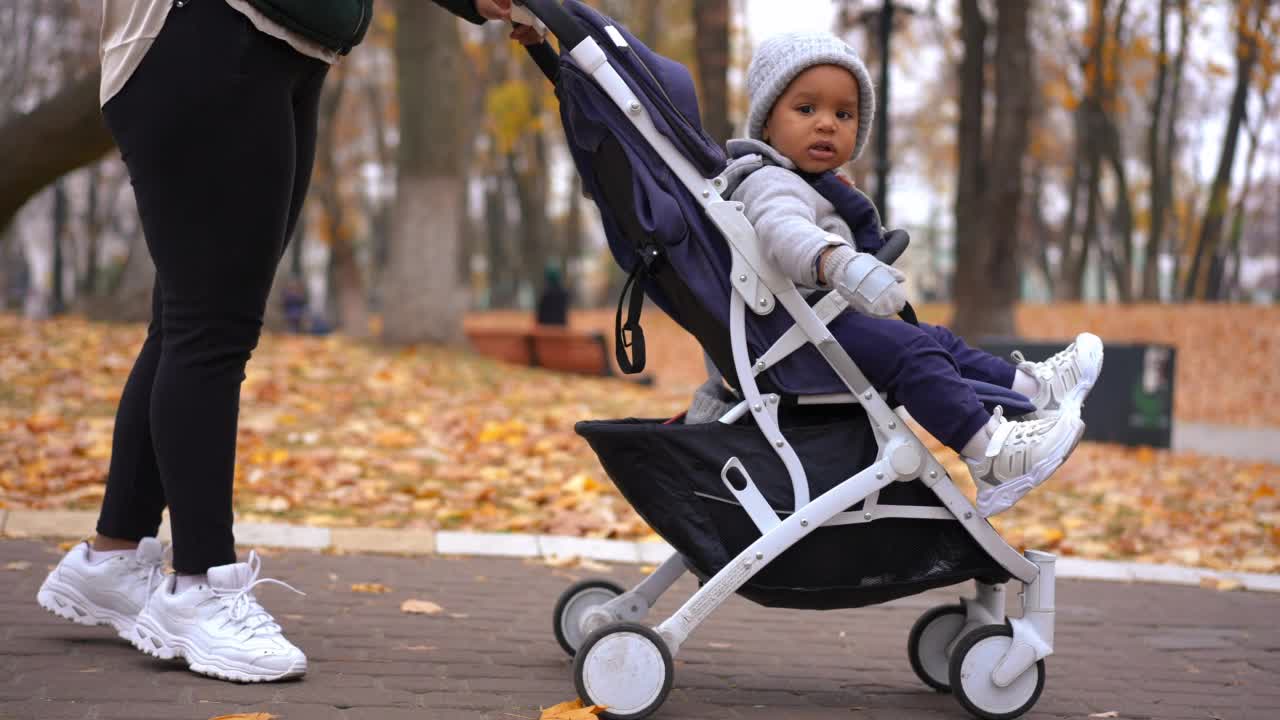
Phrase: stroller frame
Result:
[901,456]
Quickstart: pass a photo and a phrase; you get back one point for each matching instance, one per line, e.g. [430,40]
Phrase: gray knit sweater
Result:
[794,223]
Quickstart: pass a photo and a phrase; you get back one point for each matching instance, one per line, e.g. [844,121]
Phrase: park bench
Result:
[550,348]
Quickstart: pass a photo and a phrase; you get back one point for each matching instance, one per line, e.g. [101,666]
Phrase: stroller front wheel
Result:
[927,644]
[626,667]
[972,663]
[575,602]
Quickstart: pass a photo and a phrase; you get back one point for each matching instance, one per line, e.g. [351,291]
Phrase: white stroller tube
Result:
[1033,632]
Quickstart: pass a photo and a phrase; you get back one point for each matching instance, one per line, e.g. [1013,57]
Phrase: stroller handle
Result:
[561,23]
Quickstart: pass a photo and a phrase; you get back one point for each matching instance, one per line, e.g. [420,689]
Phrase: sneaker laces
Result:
[244,607]
[1021,432]
[153,570]
[1048,368]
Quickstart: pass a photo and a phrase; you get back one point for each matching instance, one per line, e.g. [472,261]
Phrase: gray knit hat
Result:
[781,58]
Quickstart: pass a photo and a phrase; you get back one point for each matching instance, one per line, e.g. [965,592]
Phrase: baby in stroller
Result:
[811,109]
[809,493]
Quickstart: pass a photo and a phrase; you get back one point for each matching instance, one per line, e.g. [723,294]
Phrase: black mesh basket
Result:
[670,473]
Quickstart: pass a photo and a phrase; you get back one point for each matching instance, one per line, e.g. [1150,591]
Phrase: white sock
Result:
[976,448]
[182,583]
[1025,383]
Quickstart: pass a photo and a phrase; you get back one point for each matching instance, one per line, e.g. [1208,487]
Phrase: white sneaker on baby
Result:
[1021,455]
[219,628]
[103,588]
[1066,378]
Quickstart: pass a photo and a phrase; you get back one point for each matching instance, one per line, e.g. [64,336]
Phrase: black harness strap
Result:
[629,334]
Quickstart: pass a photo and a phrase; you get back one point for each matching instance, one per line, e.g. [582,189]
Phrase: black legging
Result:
[218,128]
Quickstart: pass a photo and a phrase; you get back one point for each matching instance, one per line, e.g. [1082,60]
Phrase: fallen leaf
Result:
[593,566]
[572,710]
[420,607]
[17,565]
[370,588]
[1107,714]
[247,716]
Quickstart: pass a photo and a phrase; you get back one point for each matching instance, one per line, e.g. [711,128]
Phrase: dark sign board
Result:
[1131,404]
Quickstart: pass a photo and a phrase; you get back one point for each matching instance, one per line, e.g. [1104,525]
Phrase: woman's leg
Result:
[134,498]
[206,127]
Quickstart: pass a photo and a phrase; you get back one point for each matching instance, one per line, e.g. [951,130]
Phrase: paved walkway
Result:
[1242,443]
[1143,651]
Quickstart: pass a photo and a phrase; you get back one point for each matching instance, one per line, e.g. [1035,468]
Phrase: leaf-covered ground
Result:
[336,433]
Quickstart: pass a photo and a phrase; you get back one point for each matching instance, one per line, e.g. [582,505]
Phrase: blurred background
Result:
[1118,151]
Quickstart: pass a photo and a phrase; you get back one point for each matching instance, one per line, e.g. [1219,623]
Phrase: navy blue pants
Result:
[218,129]
[924,368]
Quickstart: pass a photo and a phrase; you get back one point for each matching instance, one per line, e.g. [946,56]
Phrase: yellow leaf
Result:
[593,566]
[572,710]
[247,716]
[370,588]
[420,607]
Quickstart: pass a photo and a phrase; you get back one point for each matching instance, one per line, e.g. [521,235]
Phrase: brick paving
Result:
[1143,651]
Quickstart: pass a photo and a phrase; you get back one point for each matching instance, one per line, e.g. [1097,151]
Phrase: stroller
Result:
[811,492]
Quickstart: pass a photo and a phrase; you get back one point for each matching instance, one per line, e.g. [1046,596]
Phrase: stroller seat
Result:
[813,493]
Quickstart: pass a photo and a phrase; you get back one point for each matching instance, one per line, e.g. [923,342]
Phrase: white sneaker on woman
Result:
[1066,378]
[103,588]
[1021,455]
[219,628]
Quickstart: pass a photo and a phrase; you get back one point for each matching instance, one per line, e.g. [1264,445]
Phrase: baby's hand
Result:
[871,287]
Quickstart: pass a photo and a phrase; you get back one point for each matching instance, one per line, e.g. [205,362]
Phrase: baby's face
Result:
[815,122]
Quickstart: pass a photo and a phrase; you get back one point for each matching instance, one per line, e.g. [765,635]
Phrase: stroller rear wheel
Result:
[927,644]
[972,663]
[626,667]
[574,603]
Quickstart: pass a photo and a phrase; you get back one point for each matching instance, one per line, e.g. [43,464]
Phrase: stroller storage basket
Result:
[670,473]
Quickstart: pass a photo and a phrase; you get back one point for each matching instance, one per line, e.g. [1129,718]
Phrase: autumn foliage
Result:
[335,432]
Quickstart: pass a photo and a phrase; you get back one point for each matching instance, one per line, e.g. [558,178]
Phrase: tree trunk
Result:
[1121,236]
[348,282]
[711,38]
[130,299]
[61,134]
[1041,232]
[502,290]
[968,287]
[1122,220]
[1150,287]
[1220,288]
[573,241]
[1064,287]
[424,300]
[1090,136]
[990,313]
[89,279]
[58,300]
[1215,212]
[1168,241]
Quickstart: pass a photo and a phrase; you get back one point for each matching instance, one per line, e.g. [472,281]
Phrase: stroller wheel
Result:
[575,602]
[927,644]
[626,667]
[972,663]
